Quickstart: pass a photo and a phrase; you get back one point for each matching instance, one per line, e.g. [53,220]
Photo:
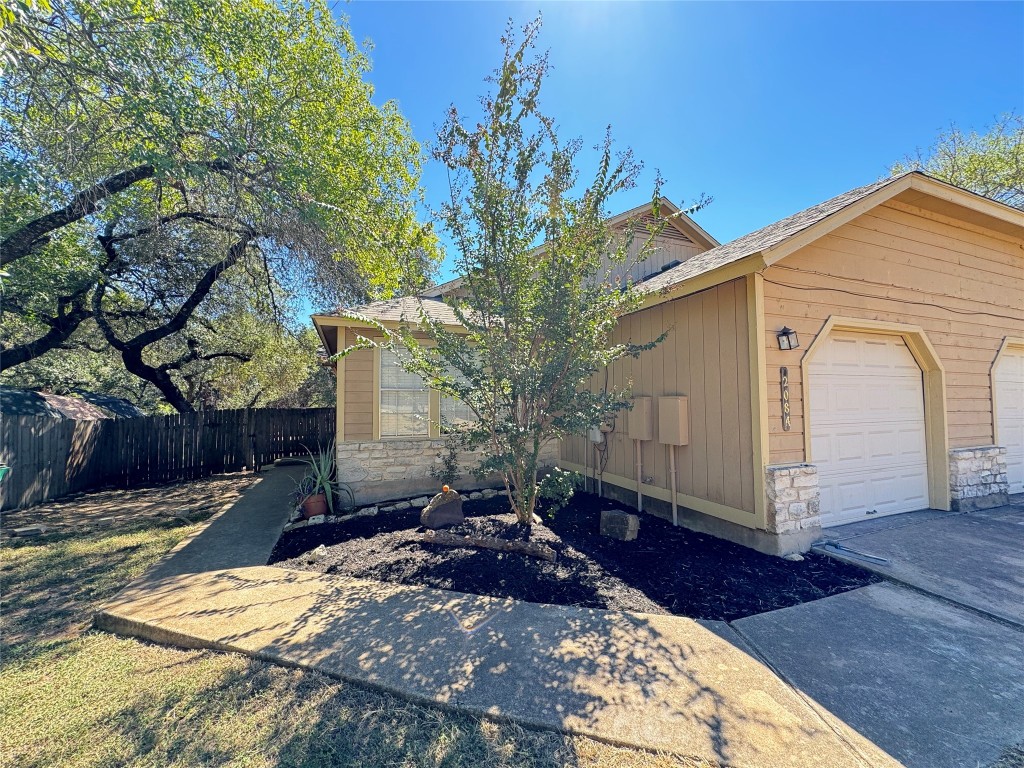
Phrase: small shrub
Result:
[448,470]
[557,488]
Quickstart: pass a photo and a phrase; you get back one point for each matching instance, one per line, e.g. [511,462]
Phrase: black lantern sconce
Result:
[788,339]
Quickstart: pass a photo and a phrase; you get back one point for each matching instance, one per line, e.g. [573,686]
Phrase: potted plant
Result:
[317,490]
[308,498]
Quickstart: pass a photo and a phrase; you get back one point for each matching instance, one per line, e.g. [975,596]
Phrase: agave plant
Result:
[319,478]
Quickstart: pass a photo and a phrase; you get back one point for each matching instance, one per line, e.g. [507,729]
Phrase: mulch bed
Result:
[666,570]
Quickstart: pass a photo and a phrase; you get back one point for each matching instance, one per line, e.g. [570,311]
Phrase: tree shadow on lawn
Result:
[661,681]
[51,585]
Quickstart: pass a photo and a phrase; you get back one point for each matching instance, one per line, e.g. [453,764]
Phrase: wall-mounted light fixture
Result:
[788,339]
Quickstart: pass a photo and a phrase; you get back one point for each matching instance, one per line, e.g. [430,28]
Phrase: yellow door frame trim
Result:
[1009,342]
[758,394]
[934,377]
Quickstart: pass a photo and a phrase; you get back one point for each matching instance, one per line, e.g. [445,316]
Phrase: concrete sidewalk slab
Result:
[933,685]
[975,559]
[240,536]
[659,682]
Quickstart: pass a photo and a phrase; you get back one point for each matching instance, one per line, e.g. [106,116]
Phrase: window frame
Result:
[433,405]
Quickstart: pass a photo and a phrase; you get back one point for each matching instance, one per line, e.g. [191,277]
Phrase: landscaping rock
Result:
[368,511]
[392,508]
[420,501]
[296,525]
[402,506]
[793,557]
[620,525]
[443,510]
[30,530]
[316,520]
[476,495]
[489,493]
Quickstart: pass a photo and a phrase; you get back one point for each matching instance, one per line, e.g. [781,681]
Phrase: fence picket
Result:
[50,458]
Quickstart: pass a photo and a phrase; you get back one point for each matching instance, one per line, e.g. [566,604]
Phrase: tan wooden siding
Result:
[705,357]
[358,392]
[962,285]
[670,246]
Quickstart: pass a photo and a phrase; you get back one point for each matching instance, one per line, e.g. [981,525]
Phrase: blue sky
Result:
[767,107]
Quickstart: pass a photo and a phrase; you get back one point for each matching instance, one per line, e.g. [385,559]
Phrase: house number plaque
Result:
[784,379]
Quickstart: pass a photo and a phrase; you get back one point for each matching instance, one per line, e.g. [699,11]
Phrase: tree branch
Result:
[24,238]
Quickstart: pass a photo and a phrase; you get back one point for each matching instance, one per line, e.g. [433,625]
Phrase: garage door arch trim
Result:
[936,434]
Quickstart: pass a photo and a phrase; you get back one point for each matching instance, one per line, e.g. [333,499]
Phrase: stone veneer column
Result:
[793,500]
[977,478]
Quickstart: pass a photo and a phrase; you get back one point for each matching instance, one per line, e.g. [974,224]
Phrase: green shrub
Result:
[557,488]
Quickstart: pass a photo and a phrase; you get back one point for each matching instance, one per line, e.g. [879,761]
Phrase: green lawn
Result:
[72,696]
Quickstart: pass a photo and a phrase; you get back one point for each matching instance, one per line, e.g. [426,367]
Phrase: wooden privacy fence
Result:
[50,458]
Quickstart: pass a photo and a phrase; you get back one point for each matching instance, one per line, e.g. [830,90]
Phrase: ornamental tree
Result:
[537,301]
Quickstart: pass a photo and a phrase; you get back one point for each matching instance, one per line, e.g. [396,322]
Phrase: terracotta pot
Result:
[315,505]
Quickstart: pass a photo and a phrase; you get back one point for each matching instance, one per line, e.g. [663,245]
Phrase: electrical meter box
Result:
[641,419]
[673,420]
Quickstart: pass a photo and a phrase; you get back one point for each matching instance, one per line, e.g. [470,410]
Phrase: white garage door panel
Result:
[867,428]
[1009,392]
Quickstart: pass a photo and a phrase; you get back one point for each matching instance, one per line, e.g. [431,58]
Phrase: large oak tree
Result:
[167,164]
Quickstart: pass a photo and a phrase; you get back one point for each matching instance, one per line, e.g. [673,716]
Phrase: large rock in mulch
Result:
[619,525]
[443,510]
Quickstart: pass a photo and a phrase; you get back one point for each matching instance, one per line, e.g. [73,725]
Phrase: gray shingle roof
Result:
[403,308]
[762,239]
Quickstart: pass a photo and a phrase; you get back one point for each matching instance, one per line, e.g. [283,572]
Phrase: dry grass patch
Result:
[74,697]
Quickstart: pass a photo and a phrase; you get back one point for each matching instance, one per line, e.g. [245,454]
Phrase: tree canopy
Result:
[538,304]
[176,170]
[990,163]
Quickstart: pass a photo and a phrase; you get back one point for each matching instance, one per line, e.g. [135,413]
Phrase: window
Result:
[404,400]
[454,412]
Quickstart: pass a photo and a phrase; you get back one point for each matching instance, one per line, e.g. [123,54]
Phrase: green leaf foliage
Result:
[169,168]
[990,163]
[538,303]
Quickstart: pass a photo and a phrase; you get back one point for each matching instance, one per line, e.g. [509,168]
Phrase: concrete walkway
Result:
[656,682]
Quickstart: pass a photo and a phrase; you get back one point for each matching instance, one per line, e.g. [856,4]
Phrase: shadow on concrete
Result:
[651,681]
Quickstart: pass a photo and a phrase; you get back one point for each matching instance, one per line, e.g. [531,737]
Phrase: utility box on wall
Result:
[674,420]
[641,420]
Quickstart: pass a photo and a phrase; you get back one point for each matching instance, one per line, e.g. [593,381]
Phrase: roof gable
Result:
[776,241]
[679,226]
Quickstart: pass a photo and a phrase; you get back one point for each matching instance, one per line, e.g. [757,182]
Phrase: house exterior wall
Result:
[671,245]
[899,264]
[358,391]
[705,357]
[378,470]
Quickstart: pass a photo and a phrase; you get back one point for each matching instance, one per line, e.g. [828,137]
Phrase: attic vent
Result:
[669,232]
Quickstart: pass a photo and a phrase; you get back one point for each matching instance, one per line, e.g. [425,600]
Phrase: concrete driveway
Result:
[975,560]
[930,666]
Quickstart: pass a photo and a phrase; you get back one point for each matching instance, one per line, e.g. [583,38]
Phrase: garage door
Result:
[867,427]
[1009,391]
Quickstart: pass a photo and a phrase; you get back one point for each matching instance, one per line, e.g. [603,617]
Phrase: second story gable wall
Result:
[670,246]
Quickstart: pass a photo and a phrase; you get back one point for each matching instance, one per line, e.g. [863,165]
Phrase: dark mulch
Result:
[666,570]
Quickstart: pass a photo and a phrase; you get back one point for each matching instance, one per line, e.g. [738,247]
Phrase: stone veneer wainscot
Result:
[793,498]
[389,469]
[977,478]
